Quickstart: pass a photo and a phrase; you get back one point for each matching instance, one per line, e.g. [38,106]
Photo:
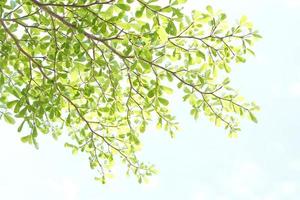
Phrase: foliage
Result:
[102,70]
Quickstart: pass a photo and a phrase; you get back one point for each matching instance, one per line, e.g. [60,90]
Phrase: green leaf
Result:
[223,16]
[167,89]
[171,28]
[21,126]
[257,35]
[140,180]
[227,68]
[26,139]
[123,6]
[240,59]
[243,20]
[162,34]
[181,1]
[9,119]
[151,93]
[165,102]
[209,9]
[142,128]
[1,80]
[74,150]
[11,103]
[252,117]
[200,54]
[139,13]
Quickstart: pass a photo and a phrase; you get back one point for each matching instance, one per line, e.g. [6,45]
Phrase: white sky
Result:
[201,163]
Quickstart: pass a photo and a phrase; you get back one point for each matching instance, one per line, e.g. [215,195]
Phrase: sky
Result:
[201,163]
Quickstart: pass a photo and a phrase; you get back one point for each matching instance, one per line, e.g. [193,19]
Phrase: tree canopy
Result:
[102,70]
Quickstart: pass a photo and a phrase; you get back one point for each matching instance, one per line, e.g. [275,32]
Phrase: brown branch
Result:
[151,9]
[21,49]
[97,2]
[195,88]
[70,25]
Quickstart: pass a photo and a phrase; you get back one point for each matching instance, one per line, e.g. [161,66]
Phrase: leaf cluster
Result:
[101,71]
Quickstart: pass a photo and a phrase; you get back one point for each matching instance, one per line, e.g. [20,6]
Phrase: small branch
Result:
[21,49]
[76,5]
